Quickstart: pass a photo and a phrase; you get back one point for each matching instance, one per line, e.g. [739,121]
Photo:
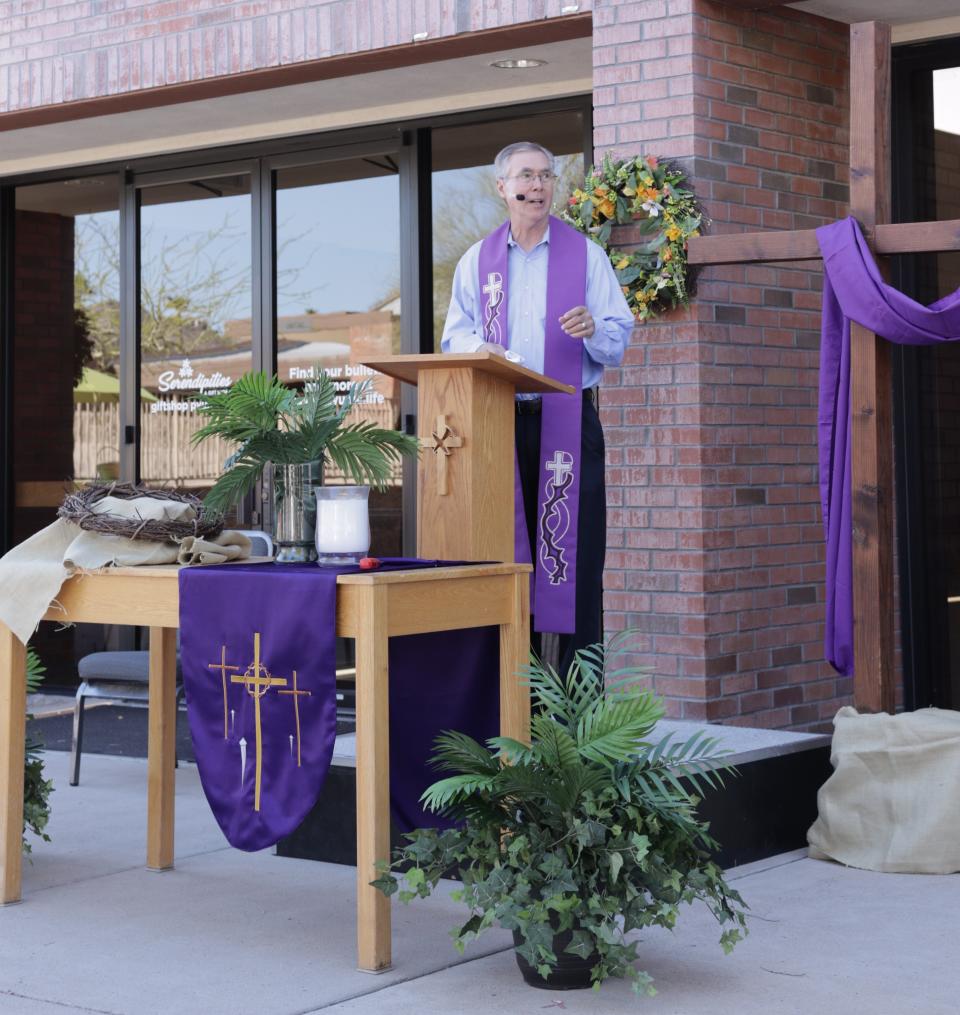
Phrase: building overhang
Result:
[940,17]
[402,84]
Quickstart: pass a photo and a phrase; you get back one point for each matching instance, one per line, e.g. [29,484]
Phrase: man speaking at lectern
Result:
[540,292]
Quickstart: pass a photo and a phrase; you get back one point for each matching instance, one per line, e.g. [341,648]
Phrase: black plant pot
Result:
[572,972]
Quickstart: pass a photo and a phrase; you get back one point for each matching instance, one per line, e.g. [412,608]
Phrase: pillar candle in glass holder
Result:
[343,524]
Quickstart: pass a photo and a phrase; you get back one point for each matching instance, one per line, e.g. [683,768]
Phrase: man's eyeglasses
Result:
[527,177]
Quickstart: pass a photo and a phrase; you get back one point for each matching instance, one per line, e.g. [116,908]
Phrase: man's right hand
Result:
[497,350]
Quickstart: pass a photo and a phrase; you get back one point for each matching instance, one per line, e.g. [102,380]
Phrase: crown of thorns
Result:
[78,508]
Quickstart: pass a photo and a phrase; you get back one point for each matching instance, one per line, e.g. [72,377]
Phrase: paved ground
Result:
[229,932]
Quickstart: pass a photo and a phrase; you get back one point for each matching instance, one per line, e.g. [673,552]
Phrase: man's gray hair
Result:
[504,156]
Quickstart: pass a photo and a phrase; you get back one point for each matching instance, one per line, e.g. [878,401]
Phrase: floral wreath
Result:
[646,193]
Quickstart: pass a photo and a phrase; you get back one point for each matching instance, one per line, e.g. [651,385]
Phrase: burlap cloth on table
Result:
[32,572]
[892,802]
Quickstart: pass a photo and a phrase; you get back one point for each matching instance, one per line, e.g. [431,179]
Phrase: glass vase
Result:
[295,511]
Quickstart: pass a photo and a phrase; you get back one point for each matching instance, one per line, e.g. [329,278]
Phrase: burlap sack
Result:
[229,545]
[92,550]
[32,572]
[892,802]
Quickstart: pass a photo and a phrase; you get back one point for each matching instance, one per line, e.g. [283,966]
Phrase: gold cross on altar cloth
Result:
[297,695]
[222,667]
[441,441]
[257,685]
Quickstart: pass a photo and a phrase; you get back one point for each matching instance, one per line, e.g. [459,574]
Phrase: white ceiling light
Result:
[520,63]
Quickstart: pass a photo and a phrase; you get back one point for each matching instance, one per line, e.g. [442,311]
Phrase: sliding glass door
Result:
[338,296]
[195,320]
[289,264]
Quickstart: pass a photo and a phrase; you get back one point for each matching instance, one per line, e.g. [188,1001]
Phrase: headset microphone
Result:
[520,197]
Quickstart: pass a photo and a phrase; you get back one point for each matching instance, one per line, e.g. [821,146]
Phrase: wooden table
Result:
[370,608]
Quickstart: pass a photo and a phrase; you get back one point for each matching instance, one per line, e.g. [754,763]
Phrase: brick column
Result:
[716,551]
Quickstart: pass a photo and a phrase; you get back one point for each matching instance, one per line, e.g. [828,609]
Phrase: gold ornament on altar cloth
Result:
[258,681]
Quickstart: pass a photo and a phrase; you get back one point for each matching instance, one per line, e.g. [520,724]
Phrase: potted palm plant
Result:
[293,432]
[577,839]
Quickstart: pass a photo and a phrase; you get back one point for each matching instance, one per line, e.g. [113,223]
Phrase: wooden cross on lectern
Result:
[870,389]
[441,441]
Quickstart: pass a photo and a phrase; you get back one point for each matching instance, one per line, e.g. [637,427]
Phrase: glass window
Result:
[946,167]
[466,205]
[195,320]
[338,297]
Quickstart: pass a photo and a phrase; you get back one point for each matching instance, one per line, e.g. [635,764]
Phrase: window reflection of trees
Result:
[196,289]
[192,285]
[352,311]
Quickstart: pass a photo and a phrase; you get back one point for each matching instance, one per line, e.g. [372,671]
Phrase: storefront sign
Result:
[186,380]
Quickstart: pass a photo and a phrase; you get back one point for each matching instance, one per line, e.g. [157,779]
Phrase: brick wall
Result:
[716,547]
[53,51]
[43,395]
[43,355]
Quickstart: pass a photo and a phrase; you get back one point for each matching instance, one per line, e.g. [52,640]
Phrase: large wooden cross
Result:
[870,395]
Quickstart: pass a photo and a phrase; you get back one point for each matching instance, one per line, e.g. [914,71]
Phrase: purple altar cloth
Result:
[246,630]
[853,290]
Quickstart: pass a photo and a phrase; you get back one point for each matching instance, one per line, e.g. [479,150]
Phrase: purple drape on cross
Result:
[258,652]
[853,290]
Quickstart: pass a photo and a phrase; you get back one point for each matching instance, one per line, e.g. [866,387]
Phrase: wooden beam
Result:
[373,780]
[870,388]
[747,248]
[801,244]
[13,707]
[43,493]
[161,747]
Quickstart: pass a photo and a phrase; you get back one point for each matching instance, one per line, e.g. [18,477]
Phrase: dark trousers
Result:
[591,526]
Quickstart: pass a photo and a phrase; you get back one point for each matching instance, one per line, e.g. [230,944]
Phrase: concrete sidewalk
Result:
[230,932]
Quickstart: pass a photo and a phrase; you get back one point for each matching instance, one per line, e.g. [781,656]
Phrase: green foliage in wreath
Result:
[592,828]
[647,194]
[36,789]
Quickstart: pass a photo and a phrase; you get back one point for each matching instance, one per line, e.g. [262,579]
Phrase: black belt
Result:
[533,406]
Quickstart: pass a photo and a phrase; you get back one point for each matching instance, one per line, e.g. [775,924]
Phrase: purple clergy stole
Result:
[558,486]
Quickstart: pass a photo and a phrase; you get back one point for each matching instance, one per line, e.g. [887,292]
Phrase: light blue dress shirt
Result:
[527,308]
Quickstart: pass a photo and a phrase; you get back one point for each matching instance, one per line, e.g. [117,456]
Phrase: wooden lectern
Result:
[466,429]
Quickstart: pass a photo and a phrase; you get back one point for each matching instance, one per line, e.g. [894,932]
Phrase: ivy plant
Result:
[36,789]
[591,828]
